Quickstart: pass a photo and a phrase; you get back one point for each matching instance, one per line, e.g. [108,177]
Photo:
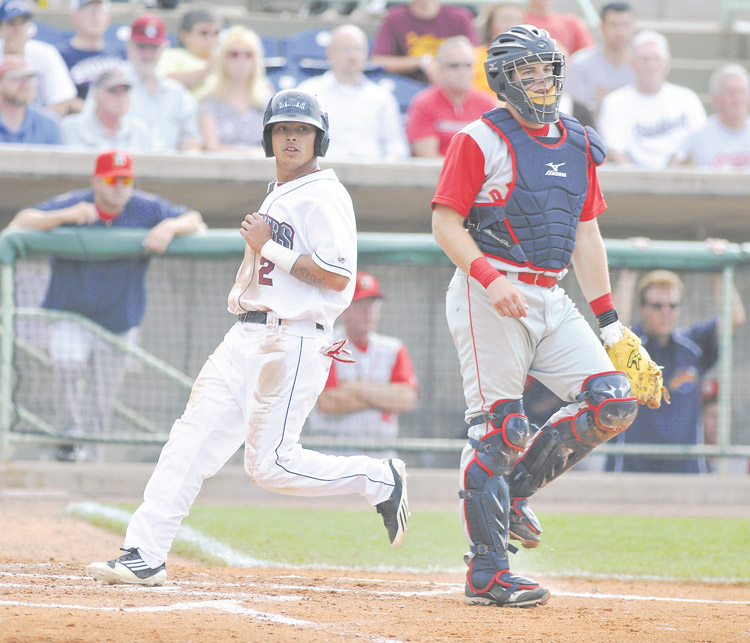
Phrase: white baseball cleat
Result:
[395,510]
[128,568]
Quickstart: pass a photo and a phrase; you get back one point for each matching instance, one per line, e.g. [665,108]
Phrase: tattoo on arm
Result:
[307,276]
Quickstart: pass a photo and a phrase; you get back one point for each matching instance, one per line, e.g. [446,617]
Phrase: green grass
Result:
[696,549]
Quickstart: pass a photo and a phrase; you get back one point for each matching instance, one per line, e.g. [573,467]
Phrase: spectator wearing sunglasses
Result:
[194,62]
[440,111]
[167,108]
[86,371]
[105,122]
[686,354]
[230,116]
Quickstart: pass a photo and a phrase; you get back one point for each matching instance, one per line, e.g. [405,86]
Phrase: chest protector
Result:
[535,226]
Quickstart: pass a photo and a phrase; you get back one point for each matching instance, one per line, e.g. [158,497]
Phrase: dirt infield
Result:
[45,596]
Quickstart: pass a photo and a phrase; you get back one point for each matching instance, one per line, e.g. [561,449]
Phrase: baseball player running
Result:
[263,380]
[522,181]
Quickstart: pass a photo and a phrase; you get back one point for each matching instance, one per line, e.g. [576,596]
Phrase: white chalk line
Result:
[435,589]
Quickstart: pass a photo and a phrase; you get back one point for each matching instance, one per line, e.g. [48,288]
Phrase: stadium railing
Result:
[186,318]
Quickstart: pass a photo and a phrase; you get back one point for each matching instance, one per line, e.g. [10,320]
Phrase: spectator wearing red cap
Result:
[55,87]
[105,122]
[20,123]
[162,103]
[361,401]
[87,372]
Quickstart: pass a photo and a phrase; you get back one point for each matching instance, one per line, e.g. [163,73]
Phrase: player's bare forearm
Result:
[590,261]
[450,234]
[309,272]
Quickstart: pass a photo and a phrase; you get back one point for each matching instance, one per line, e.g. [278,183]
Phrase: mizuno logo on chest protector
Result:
[555,169]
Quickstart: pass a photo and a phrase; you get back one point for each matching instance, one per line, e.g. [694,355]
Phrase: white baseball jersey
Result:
[311,215]
[260,384]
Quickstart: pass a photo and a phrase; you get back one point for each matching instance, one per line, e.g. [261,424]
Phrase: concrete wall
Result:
[684,204]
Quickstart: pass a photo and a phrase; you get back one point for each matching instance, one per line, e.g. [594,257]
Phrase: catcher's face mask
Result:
[534,86]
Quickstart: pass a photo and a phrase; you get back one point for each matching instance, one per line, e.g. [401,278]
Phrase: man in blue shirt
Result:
[109,293]
[20,123]
[87,54]
[686,354]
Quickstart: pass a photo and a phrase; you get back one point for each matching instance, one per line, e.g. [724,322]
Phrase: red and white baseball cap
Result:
[148,29]
[366,286]
[113,163]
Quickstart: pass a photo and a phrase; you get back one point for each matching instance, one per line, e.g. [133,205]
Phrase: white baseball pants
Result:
[257,388]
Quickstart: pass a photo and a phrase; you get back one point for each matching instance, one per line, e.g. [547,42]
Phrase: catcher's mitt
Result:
[646,381]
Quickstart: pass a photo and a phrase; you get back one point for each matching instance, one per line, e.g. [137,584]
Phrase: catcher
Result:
[517,202]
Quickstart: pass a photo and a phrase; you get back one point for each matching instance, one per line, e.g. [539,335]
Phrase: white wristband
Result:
[283,257]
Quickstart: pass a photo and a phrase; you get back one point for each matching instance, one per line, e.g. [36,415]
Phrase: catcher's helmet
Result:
[520,46]
[300,107]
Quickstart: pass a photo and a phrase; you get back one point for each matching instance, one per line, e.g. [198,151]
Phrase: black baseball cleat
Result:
[508,591]
[523,524]
[128,568]
[395,510]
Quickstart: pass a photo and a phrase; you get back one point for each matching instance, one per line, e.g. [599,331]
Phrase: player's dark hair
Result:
[619,7]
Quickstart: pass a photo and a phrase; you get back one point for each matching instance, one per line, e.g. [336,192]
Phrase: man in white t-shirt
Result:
[724,143]
[596,71]
[646,123]
[366,124]
[56,90]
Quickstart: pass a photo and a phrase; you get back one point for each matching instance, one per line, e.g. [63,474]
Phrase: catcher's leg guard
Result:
[606,409]
[485,500]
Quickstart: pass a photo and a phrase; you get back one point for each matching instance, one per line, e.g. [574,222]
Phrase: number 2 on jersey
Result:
[266,267]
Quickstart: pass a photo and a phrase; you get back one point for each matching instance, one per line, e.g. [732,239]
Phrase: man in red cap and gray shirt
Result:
[361,401]
[109,293]
[163,104]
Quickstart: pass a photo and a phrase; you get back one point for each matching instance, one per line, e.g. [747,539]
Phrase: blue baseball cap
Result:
[9,9]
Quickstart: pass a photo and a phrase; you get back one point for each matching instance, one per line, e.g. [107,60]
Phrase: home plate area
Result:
[57,602]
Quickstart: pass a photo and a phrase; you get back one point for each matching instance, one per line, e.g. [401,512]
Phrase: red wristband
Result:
[602,304]
[483,272]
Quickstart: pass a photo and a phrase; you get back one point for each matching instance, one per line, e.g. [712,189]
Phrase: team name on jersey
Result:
[282,233]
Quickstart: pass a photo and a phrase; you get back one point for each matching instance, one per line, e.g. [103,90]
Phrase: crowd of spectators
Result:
[204,87]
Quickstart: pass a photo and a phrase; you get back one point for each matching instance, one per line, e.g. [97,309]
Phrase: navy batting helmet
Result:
[520,46]
[299,107]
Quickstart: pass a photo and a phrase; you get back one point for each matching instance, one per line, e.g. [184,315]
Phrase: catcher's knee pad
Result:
[485,493]
[606,409]
[609,403]
[506,437]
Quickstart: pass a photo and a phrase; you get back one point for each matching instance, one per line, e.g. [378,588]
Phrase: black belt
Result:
[260,317]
